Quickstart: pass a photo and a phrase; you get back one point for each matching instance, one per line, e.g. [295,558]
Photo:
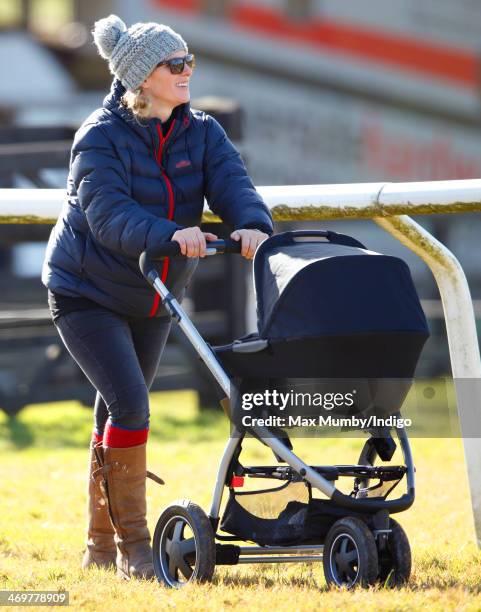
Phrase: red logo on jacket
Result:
[183,164]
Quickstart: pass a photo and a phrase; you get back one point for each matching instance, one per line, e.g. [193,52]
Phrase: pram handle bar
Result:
[172,249]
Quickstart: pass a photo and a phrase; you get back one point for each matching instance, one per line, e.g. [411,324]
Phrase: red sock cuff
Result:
[96,438]
[116,437]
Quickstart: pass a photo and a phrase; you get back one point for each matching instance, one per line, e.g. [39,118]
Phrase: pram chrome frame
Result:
[305,471]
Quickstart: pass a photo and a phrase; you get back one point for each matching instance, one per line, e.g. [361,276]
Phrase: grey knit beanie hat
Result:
[134,52]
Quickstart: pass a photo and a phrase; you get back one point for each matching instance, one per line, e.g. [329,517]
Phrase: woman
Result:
[140,168]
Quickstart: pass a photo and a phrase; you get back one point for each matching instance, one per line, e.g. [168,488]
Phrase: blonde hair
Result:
[137,102]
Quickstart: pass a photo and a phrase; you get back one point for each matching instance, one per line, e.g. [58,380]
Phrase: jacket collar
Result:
[145,128]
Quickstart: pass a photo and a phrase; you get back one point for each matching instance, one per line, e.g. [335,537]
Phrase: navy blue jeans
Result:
[120,357]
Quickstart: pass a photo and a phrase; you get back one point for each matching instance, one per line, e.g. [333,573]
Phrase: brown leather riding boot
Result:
[125,473]
[101,550]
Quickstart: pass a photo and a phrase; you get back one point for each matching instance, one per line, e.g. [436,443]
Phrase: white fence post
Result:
[462,339]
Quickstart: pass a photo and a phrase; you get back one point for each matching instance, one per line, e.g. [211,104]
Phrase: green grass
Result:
[42,471]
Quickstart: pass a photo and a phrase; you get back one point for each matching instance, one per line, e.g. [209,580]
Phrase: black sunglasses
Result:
[177,64]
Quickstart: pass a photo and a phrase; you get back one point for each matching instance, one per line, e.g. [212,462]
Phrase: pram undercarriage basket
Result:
[327,309]
[288,514]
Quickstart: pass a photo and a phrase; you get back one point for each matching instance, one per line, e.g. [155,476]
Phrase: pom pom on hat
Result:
[107,33]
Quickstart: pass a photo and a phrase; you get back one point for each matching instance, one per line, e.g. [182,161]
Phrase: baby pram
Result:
[329,312]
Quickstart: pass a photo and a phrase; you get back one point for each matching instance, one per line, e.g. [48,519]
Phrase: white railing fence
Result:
[387,204]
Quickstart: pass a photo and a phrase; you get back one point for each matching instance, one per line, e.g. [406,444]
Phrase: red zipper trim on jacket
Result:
[170,214]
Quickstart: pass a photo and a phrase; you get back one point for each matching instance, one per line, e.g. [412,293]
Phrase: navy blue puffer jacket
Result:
[130,188]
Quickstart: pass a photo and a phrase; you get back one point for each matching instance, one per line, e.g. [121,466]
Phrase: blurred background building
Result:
[331,91]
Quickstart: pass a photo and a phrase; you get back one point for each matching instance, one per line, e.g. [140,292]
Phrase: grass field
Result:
[43,455]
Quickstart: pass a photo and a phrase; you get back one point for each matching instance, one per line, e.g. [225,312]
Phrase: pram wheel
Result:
[183,545]
[395,559]
[350,554]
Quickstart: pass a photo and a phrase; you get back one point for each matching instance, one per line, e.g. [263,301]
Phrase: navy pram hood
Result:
[313,288]
[329,308]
